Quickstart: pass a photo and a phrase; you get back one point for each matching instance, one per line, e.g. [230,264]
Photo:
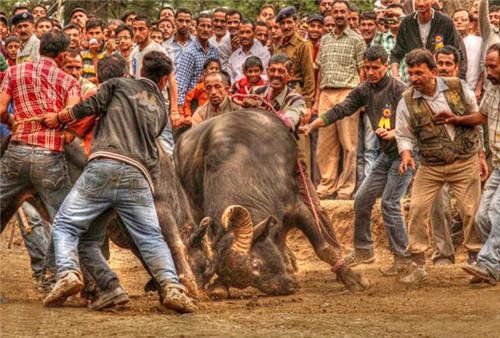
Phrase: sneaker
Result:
[359,257]
[443,261]
[416,276]
[480,272]
[107,299]
[399,265]
[174,297]
[69,285]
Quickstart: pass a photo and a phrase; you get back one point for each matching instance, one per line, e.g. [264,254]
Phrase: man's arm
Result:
[183,76]
[404,137]
[5,99]
[360,60]
[308,71]
[472,119]
[398,52]
[484,20]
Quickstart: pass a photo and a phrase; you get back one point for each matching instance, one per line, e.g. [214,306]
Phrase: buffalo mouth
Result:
[282,289]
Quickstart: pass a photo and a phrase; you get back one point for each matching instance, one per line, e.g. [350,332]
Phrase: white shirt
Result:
[237,59]
[224,48]
[473,45]
[137,55]
[405,136]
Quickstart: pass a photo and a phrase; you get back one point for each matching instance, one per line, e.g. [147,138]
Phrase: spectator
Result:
[368,26]
[182,38]
[340,62]
[275,34]
[354,17]
[156,35]
[30,45]
[38,12]
[79,17]
[325,7]
[73,33]
[167,12]
[233,19]
[128,17]
[329,24]
[262,33]
[221,38]
[167,28]
[489,32]
[249,47]
[44,24]
[12,45]
[95,37]
[253,70]
[125,40]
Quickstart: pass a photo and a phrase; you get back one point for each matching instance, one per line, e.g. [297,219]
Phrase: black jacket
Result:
[442,30]
[377,99]
[132,115]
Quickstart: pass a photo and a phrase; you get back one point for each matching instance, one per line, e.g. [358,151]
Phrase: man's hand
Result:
[306,129]
[406,161]
[187,120]
[111,46]
[447,117]
[386,134]
[483,166]
[307,117]
[176,119]
[51,120]
[235,42]
[478,91]
[250,102]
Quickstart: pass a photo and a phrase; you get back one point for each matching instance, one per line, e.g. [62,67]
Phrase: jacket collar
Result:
[441,86]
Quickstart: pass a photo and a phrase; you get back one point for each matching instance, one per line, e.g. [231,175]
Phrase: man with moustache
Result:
[182,36]
[23,24]
[221,38]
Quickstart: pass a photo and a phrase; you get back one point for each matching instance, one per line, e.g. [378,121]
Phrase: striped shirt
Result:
[89,69]
[37,88]
[490,106]
[339,59]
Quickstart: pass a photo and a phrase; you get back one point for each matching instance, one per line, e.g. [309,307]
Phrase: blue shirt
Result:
[174,49]
[190,67]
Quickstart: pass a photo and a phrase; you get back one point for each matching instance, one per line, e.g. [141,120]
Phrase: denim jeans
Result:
[36,239]
[104,184]
[368,150]
[386,181]
[488,225]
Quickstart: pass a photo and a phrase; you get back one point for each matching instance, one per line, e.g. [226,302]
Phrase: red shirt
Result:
[37,88]
[244,87]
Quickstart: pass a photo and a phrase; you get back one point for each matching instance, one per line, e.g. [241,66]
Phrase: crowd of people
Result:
[380,101]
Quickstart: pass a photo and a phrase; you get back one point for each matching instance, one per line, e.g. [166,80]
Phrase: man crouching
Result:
[119,175]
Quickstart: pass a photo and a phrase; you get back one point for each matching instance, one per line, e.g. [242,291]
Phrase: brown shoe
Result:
[66,286]
[175,298]
[480,272]
[399,266]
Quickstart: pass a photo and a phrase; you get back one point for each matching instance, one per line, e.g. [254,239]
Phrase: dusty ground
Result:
[443,306]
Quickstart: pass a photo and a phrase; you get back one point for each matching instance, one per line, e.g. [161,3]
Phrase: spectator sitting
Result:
[252,69]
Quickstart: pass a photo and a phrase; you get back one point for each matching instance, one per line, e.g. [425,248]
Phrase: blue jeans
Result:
[104,184]
[368,149]
[488,225]
[384,180]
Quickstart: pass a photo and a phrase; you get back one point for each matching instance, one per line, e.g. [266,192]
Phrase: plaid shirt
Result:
[491,106]
[37,88]
[388,41]
[339,59]
[190,67]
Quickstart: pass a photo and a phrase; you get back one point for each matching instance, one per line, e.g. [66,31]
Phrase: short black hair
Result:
[396,6]
[226,79]
[12,38]
[264,6]
[375,53]
[156,65]
[124,27]
[247,22]
[95,23]
[183,10]
[449,50]
[220,10]
[419,56]
[111,66]
[367,16]
[494,8]
[167,7]
[44,19]
[469,15]
[234,12]
[71,26]
[493,48]
[126,14]
[53,43]
[145,19]
[209,61]
[261,23]
[345,2]
[253,61]
[281,59]
[203,16]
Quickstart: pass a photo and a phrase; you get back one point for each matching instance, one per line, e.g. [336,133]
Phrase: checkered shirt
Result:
[190,67]
[339,59]
[37,88]
[491,106]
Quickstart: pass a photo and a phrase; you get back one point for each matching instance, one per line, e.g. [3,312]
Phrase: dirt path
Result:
[443,306]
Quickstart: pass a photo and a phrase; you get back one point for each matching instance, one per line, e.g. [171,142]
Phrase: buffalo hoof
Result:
[218,292]
[351,279]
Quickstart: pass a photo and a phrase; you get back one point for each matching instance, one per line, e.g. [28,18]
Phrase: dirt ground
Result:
[443,306]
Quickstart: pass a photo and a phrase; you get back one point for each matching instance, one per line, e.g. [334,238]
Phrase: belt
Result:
[39,148]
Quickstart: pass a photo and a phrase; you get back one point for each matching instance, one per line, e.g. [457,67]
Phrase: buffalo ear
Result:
[200,233]
[263,228]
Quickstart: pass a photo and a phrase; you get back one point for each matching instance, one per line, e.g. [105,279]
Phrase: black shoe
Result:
[111,298]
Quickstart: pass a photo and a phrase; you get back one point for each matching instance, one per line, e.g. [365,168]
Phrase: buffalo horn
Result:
[241,224]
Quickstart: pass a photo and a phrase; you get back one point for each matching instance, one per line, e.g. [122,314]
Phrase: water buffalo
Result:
[241,170]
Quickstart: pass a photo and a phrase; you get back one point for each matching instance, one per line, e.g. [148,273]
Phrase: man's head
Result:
[266,12]
[4,27]
[142,29]
[24,26]
[422,69]
[12,45]
[368,26]
[95,30]
[424,6]
[462,20]
[247,34]
[325,6]
[393,16]
[492,63]
[353,19]
[124,37]
[233,19]
[166,28]
[211,66]
[79,17]
[216,88]
[329,23]
[287,20]
[73,33]
[156,66]
[204,27]
[278,71]
[253,68]
[54,44]
[495,15]
[44,24]
[128,17]
[261,32]
[315,27]
[39,12]
[448,61]
[219,22]
[340,13]
[20,8]
[474,10]
[375,63]
[183,18]
[167,12]
[156,35]
[73,64]
[111,67]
